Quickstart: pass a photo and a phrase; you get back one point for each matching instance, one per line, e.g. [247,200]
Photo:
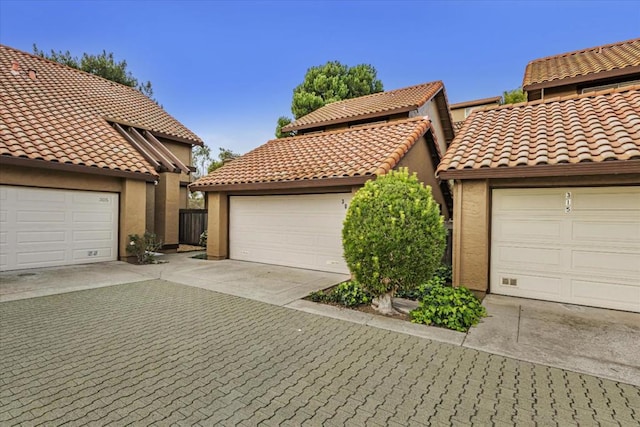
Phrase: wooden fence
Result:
[193,222]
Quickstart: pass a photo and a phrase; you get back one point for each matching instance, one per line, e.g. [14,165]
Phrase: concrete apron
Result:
[595,341]
[599,342]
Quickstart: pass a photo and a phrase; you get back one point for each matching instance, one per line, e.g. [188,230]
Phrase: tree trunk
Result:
[383,304]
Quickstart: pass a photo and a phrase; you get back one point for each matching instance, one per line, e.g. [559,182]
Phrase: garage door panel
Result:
[92,217]
[36,197]
[530,202]
[592,259]
[92,254]
[47,227]
[542,284]
[50,216]
[41,258]
[587,290]
[510,229]
[518,255]
[617,263]
[621,199]
[40,237]
[302,231]
[93,236]
[606,231]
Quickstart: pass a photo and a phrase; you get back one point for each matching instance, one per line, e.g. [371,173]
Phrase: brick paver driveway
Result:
[157,352]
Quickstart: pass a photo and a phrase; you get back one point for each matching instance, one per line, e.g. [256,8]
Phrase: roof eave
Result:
[154,132]
[69,167]
[633,69]
[292,127]
[282,185]
[612,167]
[476,102]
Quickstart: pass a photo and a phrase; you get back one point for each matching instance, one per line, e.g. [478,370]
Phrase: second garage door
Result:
[41,227]
[574,245]
[303,231]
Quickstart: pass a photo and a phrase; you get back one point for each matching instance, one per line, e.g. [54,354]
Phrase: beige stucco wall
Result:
[430,109]
[471,234]
[132,193]
[183,202]
[167,205]
[418,160]
[217,225]
[133,200]
[151,207]
[457,115]
[472,218]
[554,92]
[47,178]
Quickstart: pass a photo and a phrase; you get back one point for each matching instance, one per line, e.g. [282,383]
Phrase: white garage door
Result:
[44,228]
[302,231]
[574,245]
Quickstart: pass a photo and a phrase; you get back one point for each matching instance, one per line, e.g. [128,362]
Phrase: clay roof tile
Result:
[590,128]
[360,151]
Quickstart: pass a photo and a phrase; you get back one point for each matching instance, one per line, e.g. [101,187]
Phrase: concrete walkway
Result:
[599,342]
[262,282]
[161,353]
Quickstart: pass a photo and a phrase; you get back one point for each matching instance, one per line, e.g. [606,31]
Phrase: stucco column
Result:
[471,235]
[217,226]
[167,209]
[133,198]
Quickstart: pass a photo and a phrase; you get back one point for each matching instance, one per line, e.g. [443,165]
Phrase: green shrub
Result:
[445,273]
[453,308]
[393,234]
[203,239]
[143,247]
[421,291]
[318,296]
[349,294]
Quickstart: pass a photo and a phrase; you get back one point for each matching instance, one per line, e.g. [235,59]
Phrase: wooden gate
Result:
[193,222]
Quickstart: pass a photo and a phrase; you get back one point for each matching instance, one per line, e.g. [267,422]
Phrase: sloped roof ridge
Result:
[387,92]
[584,50]
[474,102]
[354,128]
[76,70]
[561,98]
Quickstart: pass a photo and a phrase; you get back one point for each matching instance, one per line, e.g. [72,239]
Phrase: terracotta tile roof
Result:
[473,103]
[61,115]
[362,151]
[591,133]
[620,57]
[457,126]
[370,106]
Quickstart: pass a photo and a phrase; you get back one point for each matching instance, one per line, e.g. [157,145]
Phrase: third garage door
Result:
[574,245]
[303,231]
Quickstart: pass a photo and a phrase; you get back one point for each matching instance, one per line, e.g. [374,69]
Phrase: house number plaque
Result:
[567,202]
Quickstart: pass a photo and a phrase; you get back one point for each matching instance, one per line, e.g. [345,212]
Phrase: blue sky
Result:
[227,69]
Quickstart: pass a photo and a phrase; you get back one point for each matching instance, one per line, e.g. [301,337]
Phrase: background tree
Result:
[282,122]
[204,164]
[393,236]
[224,155]
[328,83]
[513,96]
[201,159]
[103,65]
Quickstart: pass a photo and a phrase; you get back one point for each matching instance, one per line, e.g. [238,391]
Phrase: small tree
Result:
[224,155]
[103,64]
[513,96]
[393,236]
[331,82]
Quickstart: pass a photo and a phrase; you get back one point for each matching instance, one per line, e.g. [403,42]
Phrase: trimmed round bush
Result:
[393,234]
